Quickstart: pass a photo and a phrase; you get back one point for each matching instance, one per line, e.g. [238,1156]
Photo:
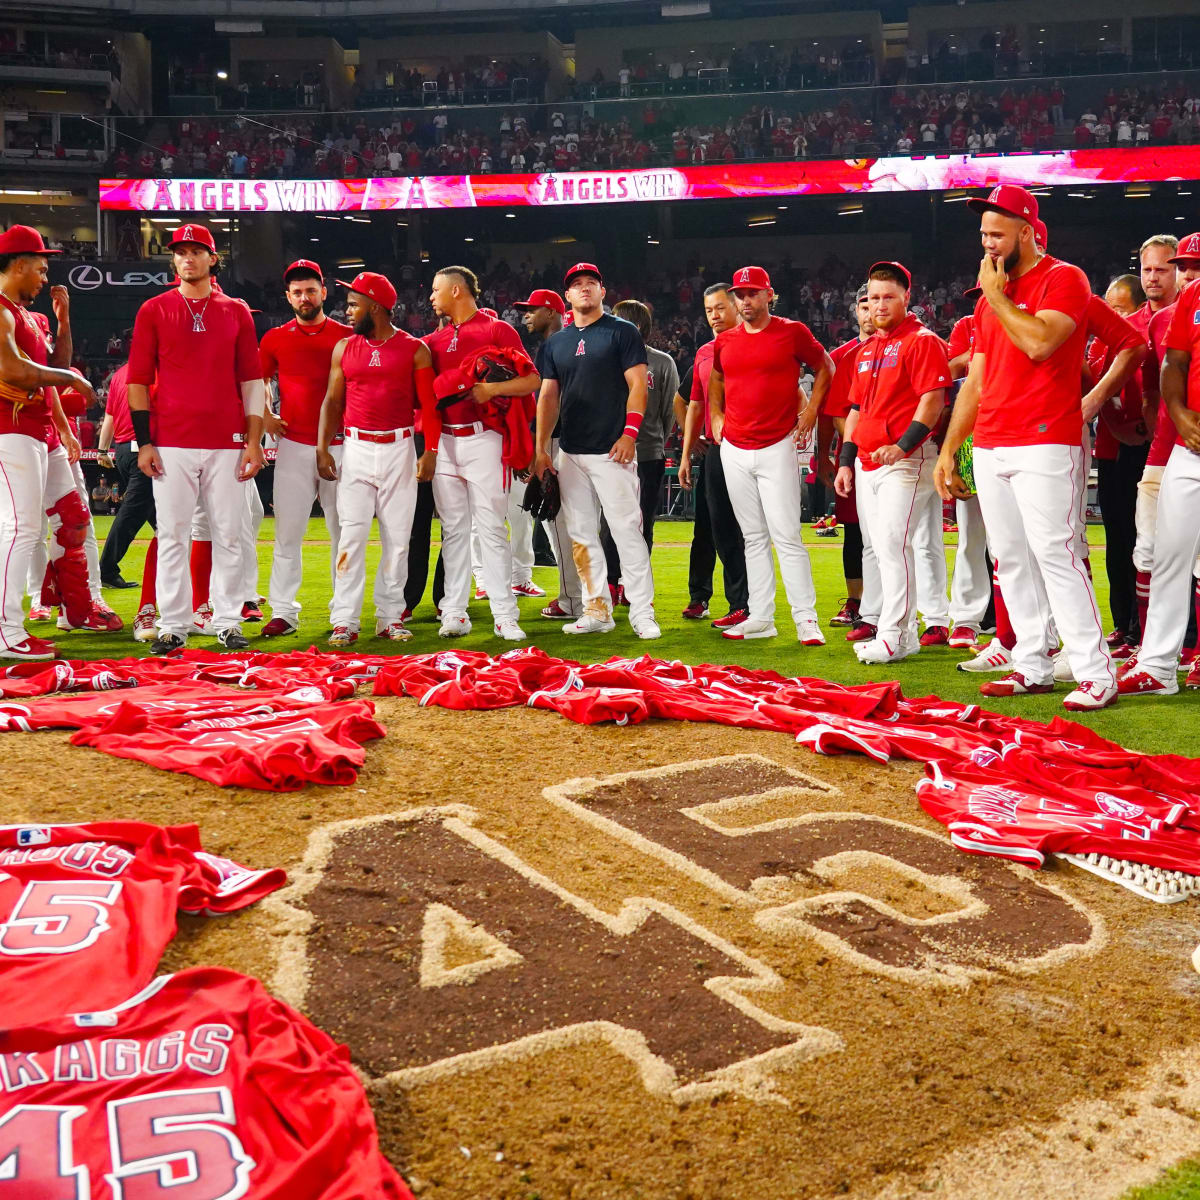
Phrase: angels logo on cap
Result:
[1189,249]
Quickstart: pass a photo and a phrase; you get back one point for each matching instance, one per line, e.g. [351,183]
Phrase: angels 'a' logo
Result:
[744,275]
[649,379]
[185,234]
[375,360]
[581,349]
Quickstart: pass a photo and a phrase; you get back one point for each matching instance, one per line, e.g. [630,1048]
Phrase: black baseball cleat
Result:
[169,643]
[232,639]
[117,582]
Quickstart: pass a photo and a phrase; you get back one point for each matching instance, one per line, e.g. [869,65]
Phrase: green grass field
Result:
[1159,724]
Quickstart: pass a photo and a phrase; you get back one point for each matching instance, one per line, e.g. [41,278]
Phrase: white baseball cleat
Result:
[454,627]
[40,612]
[1062,668]
[993,657]
[527,588]
[510,631]
[1089,696]
[750,629]
[809,633]
[590,624]
[878,651]
[143,623]
[394,631]
[202,619]
[647,629]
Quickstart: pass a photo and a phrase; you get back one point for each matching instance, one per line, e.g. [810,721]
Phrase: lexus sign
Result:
[88,277]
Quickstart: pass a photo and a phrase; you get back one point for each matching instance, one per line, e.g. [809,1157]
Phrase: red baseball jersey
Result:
[454,344]
[299,355]
[201,1087]
[34,411]
[1121,420]
[381,389]
[199,352]
[837,399]
[1183,334]
[762,379]
[962,337]
[117,405]
[1163,440]
[88,909]
[702,366]
[1023,402]
[892,372]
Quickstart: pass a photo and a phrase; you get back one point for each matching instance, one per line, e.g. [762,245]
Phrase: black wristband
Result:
[913,436]
[848,454]
[141,425]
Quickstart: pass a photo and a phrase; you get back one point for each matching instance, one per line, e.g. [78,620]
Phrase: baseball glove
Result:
[964,463]
[542,500]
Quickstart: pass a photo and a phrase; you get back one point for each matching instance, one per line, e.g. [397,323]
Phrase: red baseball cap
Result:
[1041,234]
[23,239]
[543,298]
[307,266]
[1189,249]
[896,266]
[452,382]
[750,279]
[1009,199]
[194,235]
[374,286]
[582,268]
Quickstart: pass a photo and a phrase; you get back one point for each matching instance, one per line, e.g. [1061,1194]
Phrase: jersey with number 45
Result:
[201,1087]
[87,910]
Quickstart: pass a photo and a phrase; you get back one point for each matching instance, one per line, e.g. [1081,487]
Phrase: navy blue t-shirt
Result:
[589,365]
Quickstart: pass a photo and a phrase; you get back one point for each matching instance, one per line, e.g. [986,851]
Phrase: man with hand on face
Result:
[1021,400]
[759,413]
[901,375]
[595,378]
[299,354]
[199,436]
[377,378]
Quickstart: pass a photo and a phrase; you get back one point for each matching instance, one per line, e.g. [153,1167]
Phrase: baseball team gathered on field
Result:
[373,422]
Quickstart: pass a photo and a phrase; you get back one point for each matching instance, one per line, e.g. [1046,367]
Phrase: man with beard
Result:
[298,355]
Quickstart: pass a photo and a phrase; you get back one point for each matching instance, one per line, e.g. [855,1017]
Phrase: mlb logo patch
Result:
[1196,317]
[33,835]
[864,366]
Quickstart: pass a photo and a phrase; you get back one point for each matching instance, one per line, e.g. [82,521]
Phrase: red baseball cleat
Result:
[730,619]
[277,627]
[848,613]
[528,588]
[935,635]
[695,612]
[1193,679]
[1090,696]
[862,631]
[251,611]
[1141,683]
[555,612]
[32,649]
[1014,684]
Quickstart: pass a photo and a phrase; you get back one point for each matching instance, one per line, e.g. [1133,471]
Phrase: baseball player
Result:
[198,434]
[901,376]
[1021,400]
[542,317]
[298,356]
[595,381]
[759,414]
[471,483]
[377,378]
[26,370]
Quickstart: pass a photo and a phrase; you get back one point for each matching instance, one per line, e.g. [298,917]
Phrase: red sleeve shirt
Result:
[1183,334]
[1163,440]
[762,377]
[962,336]
[702,366]
[299,355]
[117,405]
[892,372]
[454,344]
[199,372]
[837,399]
[32,418]
[1022,402]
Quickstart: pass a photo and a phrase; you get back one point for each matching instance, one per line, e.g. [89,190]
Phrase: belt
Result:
[463,430]
[382,436]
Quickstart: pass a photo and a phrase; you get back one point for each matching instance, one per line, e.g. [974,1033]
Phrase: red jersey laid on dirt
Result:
[962,337]
[198,371]
[117,405]
[762,379]
[87,910]
[299,355]
[201,1086]
[1022,402]
[32,412]
[454,344]
[891,374]
[381,387]
[837,399]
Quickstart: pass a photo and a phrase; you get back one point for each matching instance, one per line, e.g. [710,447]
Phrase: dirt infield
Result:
[677,961]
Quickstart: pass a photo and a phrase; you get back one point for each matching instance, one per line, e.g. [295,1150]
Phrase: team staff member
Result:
[199,433]
[470,484]
[27,369]
[542,316]
[298,355]
[595,379]
[720,311]
[116,441]
[901,375]
[759,413]
[377,378]
[1177,534]
[1021,400]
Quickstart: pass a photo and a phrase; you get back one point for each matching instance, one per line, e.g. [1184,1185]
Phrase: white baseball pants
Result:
[1030,499]
[250,526]
[207,478]
[468,486]
[1176,544]
[297,484]
[22,487]
[591,485]
[764,489]
[1145,516]
[570,589]
[971,587]
[520,539]
[929,549]
[892,502]
[376,478]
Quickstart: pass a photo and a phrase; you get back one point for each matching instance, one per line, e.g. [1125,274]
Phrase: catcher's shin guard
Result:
[70,567]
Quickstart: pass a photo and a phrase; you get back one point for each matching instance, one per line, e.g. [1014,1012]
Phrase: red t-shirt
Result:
[381,388]
[891,374]
[762,379]
[88,909]
[203,1084]
[962,337]
[300,355]
[1022,402]
[1111,333]
[1165,432]
[702,366]
[1183,334]
[117,405]
[34,414]
[837,399]
[454,344]
[198,400]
